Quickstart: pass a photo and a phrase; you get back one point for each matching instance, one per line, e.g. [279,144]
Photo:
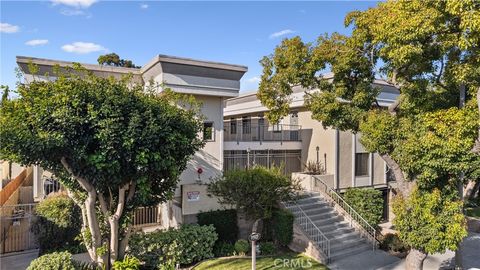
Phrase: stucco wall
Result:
[345,159]
[210,158]
[313,134]
[378,170]
[195,204]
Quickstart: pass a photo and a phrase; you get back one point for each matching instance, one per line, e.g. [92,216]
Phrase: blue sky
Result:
[232,32]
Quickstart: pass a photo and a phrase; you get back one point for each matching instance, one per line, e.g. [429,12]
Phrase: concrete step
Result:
[327,220]
[349,251]
[323,216]
[337,246]
[317,211]
[333,226]
[307,206]
[313,199]
[344,237]
[338,232]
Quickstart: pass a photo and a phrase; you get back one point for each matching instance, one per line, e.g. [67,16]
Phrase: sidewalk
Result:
[471,257]
[18,260]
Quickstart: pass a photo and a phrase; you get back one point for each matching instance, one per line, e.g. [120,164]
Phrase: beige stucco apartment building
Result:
[298,139]
[211,83]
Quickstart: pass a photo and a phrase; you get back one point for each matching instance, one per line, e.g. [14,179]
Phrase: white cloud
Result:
[9,28]
[36,42]
[83,47]
[72,12]
[281,33]
[75,3]
[143,6]
[255,79]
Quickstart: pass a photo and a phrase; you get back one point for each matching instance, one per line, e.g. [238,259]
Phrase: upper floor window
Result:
[277,127]
[208,131]
[246,125]
[362,162]
[233,126]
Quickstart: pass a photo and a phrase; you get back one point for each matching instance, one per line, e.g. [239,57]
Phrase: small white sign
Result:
[193,196]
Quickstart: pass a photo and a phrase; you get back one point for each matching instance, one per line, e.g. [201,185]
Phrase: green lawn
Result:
[284,261]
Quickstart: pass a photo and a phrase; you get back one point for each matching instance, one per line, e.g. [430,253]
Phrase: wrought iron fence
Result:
[355,219]
[145,216]
[290,160]
[239,131]
[307,225]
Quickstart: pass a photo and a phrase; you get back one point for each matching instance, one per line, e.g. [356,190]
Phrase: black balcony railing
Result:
[246,131]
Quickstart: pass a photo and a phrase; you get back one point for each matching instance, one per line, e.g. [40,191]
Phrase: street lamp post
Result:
[254,237]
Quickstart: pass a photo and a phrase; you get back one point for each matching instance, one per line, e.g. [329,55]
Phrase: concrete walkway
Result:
[470,254]
[368,260]
[380,260]
[18,260]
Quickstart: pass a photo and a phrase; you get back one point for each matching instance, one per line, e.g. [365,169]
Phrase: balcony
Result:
[257,136]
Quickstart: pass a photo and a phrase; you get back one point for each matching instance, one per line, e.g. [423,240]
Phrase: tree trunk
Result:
[93,225]
[405,187]
[476,147]
[113,221]
[471,190]
[415,260]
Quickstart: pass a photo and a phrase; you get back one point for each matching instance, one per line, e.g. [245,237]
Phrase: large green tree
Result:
[114,146]
[429,137]
[113,59]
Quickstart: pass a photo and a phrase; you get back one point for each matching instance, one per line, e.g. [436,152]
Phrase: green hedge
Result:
[187,245]
[368,202]
[282,227]
[242,247]
[53,261]
[223,249]
[224,221]
[56,225]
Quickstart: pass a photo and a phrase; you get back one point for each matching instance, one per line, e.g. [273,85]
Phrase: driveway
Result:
[18,260]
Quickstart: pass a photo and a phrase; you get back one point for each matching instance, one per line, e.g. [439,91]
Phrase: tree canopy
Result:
[255,191]
[113,59]
[428,51]
[114,145]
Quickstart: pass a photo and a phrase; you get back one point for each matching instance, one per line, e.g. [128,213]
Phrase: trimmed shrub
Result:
[256,191]
[368,202]
[267,248]
[223,249]
[391,242]
[55,260]
[282,227]
[242,247]
[56,225]
[128,263]
[224,221]
[186,245]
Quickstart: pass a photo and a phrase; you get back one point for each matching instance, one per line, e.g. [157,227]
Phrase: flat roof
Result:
[93,67]
[192,62]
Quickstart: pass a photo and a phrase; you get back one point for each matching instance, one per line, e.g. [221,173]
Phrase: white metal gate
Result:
[15,223]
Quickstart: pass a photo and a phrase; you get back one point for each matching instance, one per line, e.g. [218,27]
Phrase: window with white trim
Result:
[208,131]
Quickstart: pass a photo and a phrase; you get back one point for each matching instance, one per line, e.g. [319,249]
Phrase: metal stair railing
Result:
[307,225]
[365,229]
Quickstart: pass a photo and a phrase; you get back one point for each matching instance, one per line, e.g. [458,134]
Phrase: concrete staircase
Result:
[344,239]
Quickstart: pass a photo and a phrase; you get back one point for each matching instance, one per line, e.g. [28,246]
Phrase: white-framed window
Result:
[208,131]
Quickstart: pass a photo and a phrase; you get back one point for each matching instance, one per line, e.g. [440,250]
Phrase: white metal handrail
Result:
[310,228]
[367,230]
